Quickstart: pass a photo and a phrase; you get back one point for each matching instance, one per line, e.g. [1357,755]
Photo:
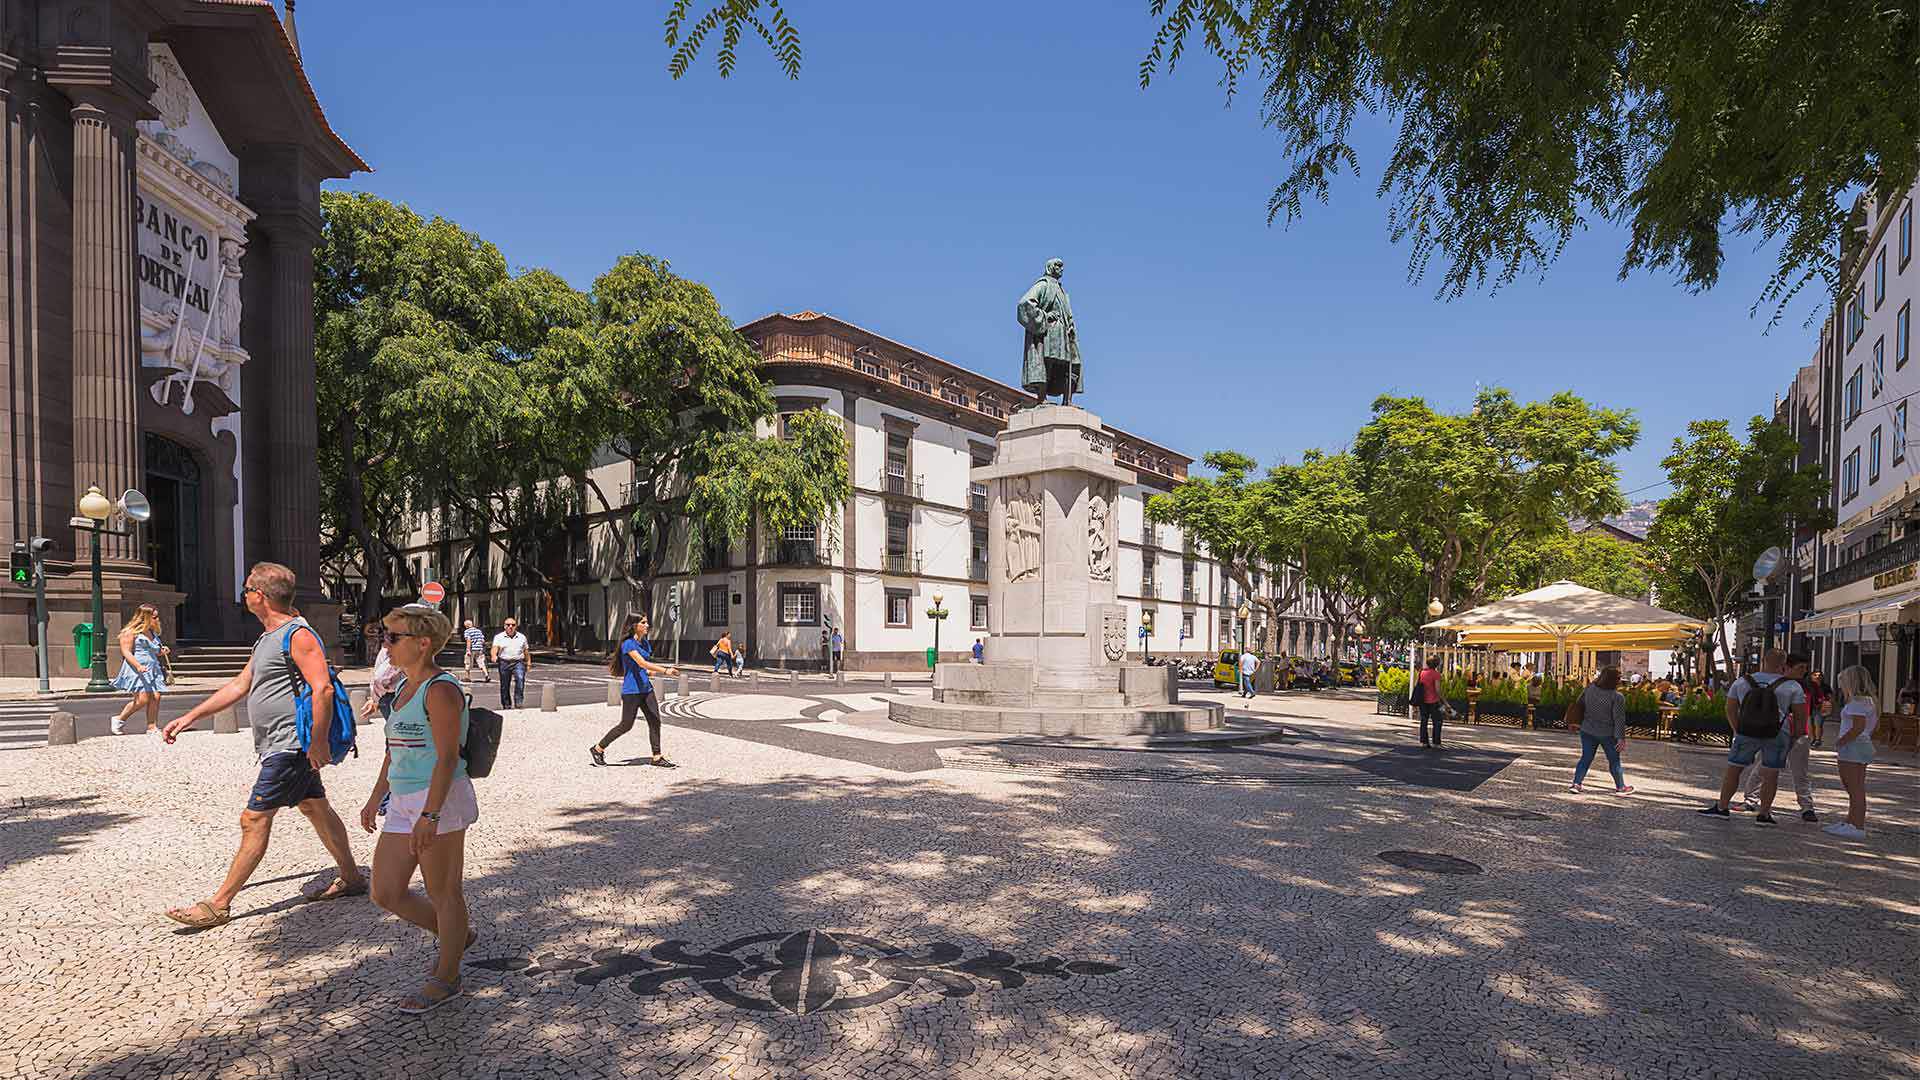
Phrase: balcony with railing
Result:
[1878,561]
[796,553]
[1149,589]
[630,492]
[977,498]
[1187,592]
[977,570]
[902,484]
[900,563]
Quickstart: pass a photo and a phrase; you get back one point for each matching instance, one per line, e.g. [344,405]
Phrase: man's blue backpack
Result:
[341,739]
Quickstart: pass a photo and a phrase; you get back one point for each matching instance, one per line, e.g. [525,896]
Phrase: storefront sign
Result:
[1899,576]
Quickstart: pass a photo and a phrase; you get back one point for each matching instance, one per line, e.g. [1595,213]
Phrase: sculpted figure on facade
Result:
[1100,532]
[228,309]
[1023,530]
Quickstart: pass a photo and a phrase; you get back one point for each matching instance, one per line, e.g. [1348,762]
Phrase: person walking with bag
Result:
[1854,747]
[634,661]
[283,663]
[1603,726]
[430,801]
[1761,709]
[1432,705]
[142,670]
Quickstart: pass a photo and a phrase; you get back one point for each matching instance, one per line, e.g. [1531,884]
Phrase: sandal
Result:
[201,916]
[338,890]
[418,1004]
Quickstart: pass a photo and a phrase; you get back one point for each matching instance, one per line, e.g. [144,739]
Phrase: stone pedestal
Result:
[1057,665]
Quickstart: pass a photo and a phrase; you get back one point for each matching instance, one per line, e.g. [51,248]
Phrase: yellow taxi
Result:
[1226,670]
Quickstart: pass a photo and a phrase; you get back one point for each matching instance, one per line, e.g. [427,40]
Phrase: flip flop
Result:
[427,1004]
[336,890]
[201,916]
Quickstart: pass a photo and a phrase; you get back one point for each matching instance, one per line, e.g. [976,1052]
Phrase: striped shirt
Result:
[476,639]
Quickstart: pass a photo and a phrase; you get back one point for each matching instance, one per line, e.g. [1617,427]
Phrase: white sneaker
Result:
[1845,829]
[117,726]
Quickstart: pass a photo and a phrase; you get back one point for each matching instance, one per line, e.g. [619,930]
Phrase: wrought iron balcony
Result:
[899,484]
[1186,593]
[1878,561]
[900,564]
[977,570]
[796,553]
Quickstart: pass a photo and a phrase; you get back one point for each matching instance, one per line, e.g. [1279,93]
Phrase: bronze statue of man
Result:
[1052,364]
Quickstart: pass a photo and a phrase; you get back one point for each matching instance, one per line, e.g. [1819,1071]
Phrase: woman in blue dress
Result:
[634,661]
[141,670]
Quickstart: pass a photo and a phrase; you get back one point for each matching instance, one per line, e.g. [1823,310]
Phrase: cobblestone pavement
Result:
[1329,905]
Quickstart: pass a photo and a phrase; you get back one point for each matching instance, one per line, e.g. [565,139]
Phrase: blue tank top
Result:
[637,681]
[410,748]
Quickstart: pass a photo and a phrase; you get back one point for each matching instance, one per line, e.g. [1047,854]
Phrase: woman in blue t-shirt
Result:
[634,661]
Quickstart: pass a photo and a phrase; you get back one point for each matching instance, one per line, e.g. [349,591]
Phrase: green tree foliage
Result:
[1731,500]
[1593,559]
[1238,519]
[452,387]
[1460,490]
[1517,123]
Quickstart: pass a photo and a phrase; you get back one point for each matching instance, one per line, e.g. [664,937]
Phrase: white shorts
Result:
[459,811]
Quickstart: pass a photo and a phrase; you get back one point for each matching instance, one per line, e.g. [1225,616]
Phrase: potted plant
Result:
[1390,691]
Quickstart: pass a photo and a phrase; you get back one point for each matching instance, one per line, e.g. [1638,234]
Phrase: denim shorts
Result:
[1771,752]
[1857,752]
[286,779]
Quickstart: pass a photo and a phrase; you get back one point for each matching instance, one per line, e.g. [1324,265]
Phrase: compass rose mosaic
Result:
[800,971]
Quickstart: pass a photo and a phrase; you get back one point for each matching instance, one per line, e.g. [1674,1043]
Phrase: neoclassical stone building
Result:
[160,176]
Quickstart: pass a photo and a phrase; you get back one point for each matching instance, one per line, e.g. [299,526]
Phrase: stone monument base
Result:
[1001,697]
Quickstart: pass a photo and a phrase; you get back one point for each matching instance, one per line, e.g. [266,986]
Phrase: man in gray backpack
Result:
[1761,709]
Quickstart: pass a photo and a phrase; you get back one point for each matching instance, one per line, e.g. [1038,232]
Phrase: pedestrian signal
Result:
[22,565]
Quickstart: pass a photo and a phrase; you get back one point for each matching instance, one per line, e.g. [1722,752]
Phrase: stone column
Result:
[106,323]
[293,513]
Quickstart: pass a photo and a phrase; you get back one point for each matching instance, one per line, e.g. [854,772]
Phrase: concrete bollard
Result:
[613,691]
[793,678]
[61,730]
[753,679]
[226,723]
[713,683]
[359,700]
[549,699]
[840,676]
[683,684]
[889,682]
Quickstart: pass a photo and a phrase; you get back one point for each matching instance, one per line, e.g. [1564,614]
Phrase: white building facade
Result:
[1867,598]
[914,532]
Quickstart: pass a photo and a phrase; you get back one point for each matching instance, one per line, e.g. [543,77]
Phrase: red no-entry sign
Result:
[432,593]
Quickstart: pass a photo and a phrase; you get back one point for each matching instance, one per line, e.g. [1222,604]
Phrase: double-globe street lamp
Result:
[94,512]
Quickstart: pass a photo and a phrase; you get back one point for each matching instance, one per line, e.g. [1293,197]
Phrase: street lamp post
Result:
[939,615]
[1244,613]
[94,510]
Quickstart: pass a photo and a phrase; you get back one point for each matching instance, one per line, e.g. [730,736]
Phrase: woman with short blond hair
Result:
[141,668]
[1859,715]
[430,800]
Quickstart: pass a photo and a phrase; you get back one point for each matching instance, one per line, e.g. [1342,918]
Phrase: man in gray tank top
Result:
[287,654]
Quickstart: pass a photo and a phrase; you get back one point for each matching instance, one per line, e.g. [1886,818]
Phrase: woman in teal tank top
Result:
[430,800]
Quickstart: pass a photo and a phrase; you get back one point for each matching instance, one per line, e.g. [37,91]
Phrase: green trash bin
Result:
[929,658]
[83,644]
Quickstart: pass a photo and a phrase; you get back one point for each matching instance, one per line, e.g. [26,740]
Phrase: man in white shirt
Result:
[1790,703]
[511,655]
[1249,665]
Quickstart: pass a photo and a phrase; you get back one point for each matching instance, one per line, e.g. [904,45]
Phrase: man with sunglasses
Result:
[283,659]
[511,655]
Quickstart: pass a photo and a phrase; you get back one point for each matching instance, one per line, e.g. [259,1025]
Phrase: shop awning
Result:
[1846,623]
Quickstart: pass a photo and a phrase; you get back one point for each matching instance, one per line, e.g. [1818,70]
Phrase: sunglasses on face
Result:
[388,637]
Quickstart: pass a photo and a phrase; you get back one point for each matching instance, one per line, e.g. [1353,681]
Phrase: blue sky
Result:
[926,164]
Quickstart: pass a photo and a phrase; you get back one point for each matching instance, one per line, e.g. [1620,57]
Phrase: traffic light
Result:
[22,565]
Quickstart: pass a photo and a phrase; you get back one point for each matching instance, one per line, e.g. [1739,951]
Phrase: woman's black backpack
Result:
[484,727]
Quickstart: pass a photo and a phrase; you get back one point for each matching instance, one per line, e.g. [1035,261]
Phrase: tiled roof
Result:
[298,68]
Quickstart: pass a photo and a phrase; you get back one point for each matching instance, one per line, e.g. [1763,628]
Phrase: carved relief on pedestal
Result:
[1023,529]
[1100,530]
